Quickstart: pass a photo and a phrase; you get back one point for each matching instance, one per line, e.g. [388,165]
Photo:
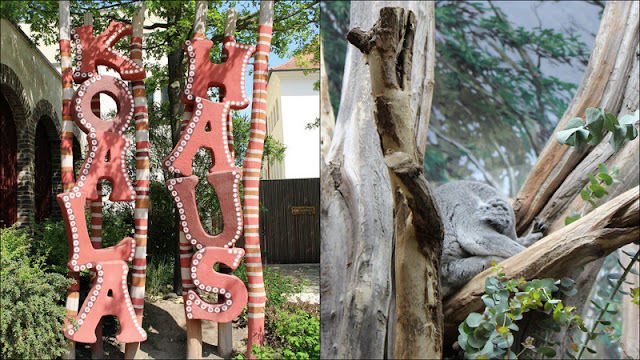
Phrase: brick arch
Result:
[48,123]
[14,92]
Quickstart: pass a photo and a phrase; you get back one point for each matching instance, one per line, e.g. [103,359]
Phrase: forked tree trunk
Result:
[419,232]
[357,283]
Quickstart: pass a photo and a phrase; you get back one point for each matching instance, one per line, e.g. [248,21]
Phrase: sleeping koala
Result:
[479,227]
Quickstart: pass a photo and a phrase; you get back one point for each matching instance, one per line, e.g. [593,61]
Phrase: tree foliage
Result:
[490,86]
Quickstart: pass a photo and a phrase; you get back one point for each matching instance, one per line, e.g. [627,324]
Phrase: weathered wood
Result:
[419,231]
[357,282]
[604,83]
[327,118]
[630,336]
[604,230]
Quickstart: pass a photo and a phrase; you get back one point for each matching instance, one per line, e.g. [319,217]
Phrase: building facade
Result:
[30,103]
[293,107]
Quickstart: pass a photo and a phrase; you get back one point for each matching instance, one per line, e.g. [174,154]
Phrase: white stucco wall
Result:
[39,79]
[300,106]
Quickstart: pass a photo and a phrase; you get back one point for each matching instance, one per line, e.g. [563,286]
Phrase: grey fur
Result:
[479,227]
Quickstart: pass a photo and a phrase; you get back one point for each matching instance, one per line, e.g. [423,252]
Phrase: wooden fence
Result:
[290,221]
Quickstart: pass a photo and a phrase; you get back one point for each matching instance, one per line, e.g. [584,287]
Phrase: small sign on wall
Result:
[303,210]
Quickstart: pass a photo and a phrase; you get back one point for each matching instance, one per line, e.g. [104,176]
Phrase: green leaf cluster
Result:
[30,297]
[292,331]
[490,334]
[580,133]
[595,190]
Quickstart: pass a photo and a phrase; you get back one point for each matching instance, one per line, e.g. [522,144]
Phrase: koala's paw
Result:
[537,232]
[539,226]
[495,212]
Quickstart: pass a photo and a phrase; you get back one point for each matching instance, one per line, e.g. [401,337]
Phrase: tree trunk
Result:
[388,48]
[552,189]
[357,282]
[327,118]
[175,74]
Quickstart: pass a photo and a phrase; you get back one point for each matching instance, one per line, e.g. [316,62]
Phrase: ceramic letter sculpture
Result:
[223,175]
[106,159]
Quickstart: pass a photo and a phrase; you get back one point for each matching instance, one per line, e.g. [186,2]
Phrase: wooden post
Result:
[251,179]
[194,326]
[66,147]
[225,333]
[141,212]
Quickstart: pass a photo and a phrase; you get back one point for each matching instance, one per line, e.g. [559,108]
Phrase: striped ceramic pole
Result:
[66,145]
[194,326]
[141,212]
[251,178]
[96,217]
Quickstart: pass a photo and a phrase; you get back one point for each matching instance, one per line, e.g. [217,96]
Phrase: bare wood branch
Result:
[604,230]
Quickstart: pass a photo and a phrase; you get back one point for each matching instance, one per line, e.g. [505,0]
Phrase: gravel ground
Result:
[165,323]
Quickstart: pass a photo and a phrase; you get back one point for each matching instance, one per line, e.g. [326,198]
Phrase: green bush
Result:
[293,330]
[276,286]
[32,314]
[50,242]
[159,275]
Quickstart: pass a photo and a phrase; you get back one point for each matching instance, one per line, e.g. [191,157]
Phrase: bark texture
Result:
[357,282]
[419,231]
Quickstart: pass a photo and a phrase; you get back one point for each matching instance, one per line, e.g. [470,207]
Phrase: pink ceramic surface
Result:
[229,76]
[82,255]
[108,296]
[205,114]
[113,147]
[226,185]
[117,89]
[230,287]
[92,51]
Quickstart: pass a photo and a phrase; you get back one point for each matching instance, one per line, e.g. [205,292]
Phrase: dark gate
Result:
[290,221]
[8,166]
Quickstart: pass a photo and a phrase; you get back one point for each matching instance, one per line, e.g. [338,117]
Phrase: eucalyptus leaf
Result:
[606,178]
[546,351]
[581,139]
[603,168]
[610,121]
[593,115]
[565,136]
[570,292]
[574,123]
[474,320]
[618,137]
[598,191]
[585,195]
